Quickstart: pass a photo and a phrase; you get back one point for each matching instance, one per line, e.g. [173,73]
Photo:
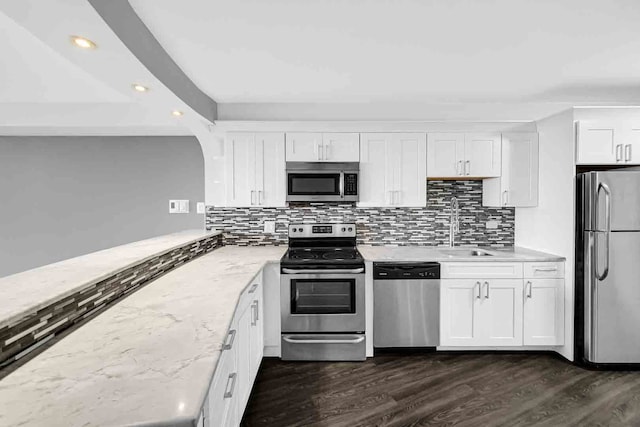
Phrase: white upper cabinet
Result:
[393,169]
[304,147]
[341,147]
[607,142]
[463,155]
[322,147]
[445,155]
[255,169]
[518,184]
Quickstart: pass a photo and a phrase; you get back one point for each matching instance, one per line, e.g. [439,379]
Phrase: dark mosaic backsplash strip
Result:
[427,226]
[42,325]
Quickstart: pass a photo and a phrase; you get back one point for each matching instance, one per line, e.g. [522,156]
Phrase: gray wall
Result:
[66,196]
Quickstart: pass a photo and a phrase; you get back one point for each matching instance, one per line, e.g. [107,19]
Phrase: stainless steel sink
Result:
[466,252]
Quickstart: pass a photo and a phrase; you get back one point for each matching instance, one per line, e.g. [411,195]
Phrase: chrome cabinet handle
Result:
[397,199]
[467,167]
[627,153]
[320,151]
[254,313]
[607,220]
[253,288]
[530,286]
[505,197]
[228,392]
[459,167]
[486,295]
[618,152]
[253,193]
[545,268]
[259,197]
[479,290]
[390,194]
[231,336]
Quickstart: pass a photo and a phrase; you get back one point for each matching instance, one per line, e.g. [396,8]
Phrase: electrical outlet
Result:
[270,227]
[492,224]
[178,206]
[200,207]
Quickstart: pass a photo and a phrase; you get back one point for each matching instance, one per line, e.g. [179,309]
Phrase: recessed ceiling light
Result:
[177,113]
[139,88]
[83,42]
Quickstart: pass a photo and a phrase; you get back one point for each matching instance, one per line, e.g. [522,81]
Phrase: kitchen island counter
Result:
[148,360]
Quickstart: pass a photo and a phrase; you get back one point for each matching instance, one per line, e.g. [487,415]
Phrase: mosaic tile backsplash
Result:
[24,335]
[428,226]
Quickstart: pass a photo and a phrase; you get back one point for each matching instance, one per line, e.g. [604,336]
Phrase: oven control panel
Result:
[321,230]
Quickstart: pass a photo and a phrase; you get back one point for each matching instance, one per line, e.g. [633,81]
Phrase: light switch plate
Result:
[270,227]
[200,207]
[492,224]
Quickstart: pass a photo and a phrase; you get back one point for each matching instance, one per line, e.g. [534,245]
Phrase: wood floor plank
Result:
[425,389]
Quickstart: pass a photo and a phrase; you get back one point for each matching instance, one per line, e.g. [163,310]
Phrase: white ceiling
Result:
[403,51]
[32,72]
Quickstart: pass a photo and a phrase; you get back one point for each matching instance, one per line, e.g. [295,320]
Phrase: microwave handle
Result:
[342,185]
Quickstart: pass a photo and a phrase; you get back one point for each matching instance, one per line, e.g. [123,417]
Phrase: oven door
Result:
[314,186]
[322,302]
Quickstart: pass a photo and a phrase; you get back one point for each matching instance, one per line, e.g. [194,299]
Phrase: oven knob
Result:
[344,229]
[294,230]
[350,228]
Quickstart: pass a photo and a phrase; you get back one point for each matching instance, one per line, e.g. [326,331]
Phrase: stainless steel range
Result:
[322,294]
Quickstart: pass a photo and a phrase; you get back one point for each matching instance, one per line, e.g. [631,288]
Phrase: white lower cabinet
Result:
[486,312]
[477,310]
[239,361]
[543,311]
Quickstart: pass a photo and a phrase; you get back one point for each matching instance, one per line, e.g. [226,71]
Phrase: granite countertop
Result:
[32,290]
[147,360]
[445,254]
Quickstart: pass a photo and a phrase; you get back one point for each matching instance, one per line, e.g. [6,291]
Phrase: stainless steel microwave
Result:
[322,182]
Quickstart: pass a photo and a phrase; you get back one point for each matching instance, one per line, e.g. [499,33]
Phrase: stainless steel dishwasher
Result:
[406,304]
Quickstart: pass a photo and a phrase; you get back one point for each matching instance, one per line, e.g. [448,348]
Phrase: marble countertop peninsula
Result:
[32,290]
[457,254]
[148,360]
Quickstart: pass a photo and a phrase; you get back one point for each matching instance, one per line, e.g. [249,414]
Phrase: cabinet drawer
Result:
[481,270]
[220,403]
[543,270]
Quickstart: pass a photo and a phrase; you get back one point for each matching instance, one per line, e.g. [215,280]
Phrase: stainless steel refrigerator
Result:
[608,267]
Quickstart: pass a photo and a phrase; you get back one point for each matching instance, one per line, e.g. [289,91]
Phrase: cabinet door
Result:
[244,356]
[459,305]
[482,155]
[597,143]
[341,147]
[544,312]
[518,185]
[631,141]
[257,332]
[304,147]
[270,169]
[221,403]
[445,155]
[410,170]
[501,312]
[240,167]
[376,169]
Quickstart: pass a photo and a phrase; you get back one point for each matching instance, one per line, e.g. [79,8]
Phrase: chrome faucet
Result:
[454,222]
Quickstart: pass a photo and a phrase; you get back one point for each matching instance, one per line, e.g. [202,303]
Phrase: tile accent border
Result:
[28,333]
[422,226]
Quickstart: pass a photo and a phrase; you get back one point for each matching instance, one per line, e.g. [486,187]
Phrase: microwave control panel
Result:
[350,184]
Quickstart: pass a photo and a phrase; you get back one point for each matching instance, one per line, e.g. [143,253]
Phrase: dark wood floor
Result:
[443,389]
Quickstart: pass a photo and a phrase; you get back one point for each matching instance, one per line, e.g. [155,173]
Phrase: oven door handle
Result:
[320,271]
[312,341]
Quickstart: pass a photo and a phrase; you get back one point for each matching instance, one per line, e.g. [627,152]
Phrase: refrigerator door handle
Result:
[607,230]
